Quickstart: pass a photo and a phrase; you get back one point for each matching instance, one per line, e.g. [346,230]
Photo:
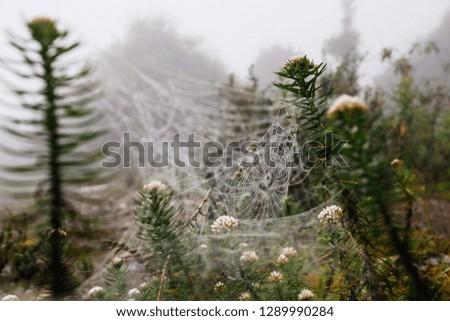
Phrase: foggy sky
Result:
[236,30]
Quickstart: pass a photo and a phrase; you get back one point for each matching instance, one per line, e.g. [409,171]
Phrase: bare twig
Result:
[163,276]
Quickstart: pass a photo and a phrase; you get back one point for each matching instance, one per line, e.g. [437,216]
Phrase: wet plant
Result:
[57,132]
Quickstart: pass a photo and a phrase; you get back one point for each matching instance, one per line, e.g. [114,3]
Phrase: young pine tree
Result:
[57,133]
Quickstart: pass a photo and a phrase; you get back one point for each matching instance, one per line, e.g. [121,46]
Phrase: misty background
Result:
[237,33]
[209,40]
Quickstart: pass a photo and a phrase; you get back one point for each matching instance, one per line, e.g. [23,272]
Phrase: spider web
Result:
[258,188]
[253,189]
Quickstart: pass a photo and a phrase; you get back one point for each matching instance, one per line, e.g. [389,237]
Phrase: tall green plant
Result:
[370,181]
[57,133]
[304,88]
[159,225]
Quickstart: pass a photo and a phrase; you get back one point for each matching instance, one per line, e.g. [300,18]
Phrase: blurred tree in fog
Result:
[431,62]
[344,49]
[156,47]
[57,134]
[269,61]
[347,40]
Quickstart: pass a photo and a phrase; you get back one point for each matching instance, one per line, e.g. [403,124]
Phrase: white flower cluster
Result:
[330,214]
[275,277]
[10,297]
[219,286]
[285,254]
[249,257]
[133,292]
[154,185]
[95,291]
[244,296]
[117,262]
[289,252]
[305,294]
[282,259]
[60,232]
[397,163]
[224,223]
[346,103]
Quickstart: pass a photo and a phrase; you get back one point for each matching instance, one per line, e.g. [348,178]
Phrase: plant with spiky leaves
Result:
[159,225]
[56,132]
[368,190]
[304,88]
[157,221]
[365,187]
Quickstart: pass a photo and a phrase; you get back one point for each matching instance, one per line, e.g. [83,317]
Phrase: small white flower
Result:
[397,163]
[154,185]
[275,277]
[305,294]
[346,103]
[244,296]
[256,285]
[219,286]
[224,223]
[242,245]
[289,252]
[249,257]
[282,259]
[133,292]
[143,285]
[10,297]
[60,232]
[203,247]
[330,214]
[117,262]
[95,291]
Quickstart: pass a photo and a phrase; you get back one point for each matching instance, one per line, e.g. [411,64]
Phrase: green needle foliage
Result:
[160,227]
[157,221]
[56,133]
[116,279]
[304,88]
[309,95]
[366,188]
